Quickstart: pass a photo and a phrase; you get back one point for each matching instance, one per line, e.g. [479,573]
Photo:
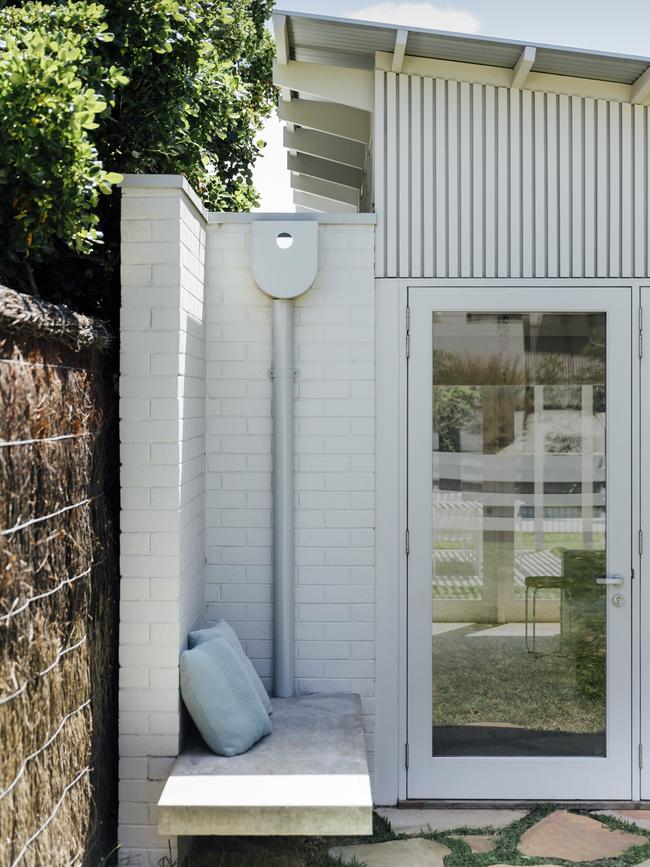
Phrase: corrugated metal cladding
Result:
[474,180]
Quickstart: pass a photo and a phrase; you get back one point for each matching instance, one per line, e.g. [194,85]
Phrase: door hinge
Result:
[640,541]
[408,332]
[640,756]
[640,332]
[406,755]
[408,543]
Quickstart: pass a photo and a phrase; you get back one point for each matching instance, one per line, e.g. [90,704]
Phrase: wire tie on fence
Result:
[66,582]
[45,671]
[62,511]
[57,806]
[6,443]
[20,363]
[42,749]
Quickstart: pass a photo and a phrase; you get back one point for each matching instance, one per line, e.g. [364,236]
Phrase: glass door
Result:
[519,611]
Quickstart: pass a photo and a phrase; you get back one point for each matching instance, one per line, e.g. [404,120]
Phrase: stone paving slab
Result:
[575,838]
[478,845]
[419,821]
[396,853]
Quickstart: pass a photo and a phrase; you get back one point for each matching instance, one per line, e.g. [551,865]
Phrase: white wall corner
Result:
[162,453]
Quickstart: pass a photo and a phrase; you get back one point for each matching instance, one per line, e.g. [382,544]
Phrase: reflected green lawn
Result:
[495,680]
[526,542]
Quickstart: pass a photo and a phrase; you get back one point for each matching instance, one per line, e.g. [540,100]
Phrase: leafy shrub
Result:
[143,86]
[53,86]
[586,615]
[200,84]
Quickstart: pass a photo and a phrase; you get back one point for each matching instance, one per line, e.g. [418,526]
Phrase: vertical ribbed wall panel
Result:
[481,181]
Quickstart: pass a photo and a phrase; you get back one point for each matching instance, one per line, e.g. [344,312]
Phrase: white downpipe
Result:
[284,261]
[283,497]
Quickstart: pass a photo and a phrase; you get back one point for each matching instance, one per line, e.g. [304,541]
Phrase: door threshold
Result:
[521,805]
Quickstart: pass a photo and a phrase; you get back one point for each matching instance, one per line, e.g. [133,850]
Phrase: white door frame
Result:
[389,784]
[642,430]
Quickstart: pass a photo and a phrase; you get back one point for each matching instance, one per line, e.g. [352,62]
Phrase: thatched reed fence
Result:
[58,588]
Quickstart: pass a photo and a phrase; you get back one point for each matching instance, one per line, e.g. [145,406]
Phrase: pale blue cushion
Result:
[224,630]
[221,699]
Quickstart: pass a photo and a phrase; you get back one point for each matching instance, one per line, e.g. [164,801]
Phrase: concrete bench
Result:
[308,778]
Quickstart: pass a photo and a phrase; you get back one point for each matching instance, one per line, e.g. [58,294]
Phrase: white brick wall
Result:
[162,431]
[196,470]
[334,459]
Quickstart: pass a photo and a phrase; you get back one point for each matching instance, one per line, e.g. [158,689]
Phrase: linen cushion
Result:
[224,630]
[221,699]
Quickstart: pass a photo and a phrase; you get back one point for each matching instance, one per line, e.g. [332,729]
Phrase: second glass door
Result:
[519,519]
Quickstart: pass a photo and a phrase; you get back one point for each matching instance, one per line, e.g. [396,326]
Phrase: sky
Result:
[622,26]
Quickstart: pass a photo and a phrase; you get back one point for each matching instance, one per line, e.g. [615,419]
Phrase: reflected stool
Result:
[533,584]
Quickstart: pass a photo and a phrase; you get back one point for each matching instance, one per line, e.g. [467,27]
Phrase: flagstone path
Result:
[576,838]
[441,838]
[421,821]
[415,852]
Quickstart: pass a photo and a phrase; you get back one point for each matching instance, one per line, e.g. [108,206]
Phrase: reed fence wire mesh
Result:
[58,587]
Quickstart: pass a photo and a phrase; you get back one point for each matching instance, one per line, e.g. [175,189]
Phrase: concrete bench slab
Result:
[309,777]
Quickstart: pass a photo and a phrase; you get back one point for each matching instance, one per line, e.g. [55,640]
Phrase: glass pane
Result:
[519,479]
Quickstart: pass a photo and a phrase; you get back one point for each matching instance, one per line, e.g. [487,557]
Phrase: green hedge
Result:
[53,86]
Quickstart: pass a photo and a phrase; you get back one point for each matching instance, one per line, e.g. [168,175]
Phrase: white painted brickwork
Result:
[334,459]
[195,429]
[162,431]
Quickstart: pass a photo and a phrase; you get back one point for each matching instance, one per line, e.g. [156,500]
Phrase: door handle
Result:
[614,581]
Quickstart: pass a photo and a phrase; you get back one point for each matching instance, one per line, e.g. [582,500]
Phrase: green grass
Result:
[557,542]
[278,851]
[481,680]
[526,542]
[508,838]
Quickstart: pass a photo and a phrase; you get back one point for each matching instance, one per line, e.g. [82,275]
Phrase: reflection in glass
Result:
[518,534]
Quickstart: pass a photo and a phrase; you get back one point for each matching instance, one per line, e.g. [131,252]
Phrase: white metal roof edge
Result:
[453,36]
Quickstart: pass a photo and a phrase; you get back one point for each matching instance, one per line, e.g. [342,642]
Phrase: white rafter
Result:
[341,120]
[319,203]
[401,38]
[523,66]
[353,87]
[281,33]
[325,169]
[325,189]
[328,147]
[640,94]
